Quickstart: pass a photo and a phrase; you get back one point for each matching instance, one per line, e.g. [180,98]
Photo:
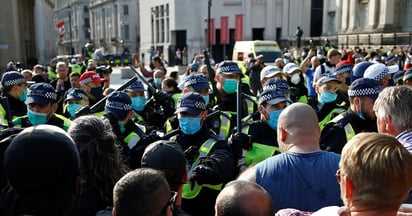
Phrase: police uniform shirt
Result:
[17,107]
[333,136]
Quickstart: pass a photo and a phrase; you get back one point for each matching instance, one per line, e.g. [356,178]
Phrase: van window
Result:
[240,56]
[269,56]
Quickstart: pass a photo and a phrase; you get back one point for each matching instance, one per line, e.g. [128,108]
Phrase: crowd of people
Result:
[329,134]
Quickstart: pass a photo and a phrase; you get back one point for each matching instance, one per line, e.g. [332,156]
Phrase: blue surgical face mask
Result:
[36,118]
[97,92]
[286,61]
[73,108]
[158,81]
[138,103]
[327,97]
[206,98]
[230,86]
[320,56]
[122,127]
[189,125]
[273,120]
[24,95]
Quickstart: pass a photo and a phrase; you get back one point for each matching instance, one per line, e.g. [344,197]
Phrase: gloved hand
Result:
[161,96]
[206,172]
[150,138]
[240,140]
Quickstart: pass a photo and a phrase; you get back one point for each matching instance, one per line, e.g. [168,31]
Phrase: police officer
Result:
[258,140]
[358,118]
[152,112]
[227,78]
[326,107]
[41,107]
[209,159]
[14,88]
[299,92]
[75,99]
[219,122]
[118,110]
[91,83]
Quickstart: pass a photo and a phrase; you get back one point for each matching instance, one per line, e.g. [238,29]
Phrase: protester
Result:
[42,167]
[243,198]
[302,176]
[143,192]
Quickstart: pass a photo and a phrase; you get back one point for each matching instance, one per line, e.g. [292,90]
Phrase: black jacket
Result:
[203,204]
[17,107]
[333,136]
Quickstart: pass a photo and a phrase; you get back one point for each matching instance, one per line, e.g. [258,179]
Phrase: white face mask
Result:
[295,79]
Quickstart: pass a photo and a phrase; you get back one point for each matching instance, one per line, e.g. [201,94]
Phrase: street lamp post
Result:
[209,26]
[71,36]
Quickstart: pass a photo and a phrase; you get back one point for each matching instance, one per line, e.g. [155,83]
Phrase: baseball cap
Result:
[269,71]
[41,93]
[365,87]
[76,94]
[407,75]
[197,82]
[42,160]
[343,67]
[90,76]
[12,78]
[194,66]
[391,58]
[278,84]
[119,104]
[259,56]
[272,96]
[378,71]
[136,86]
[398,76]
[39,66]
[290,68]
[168,157]
[192,103]
[327,78]
[359,70]
[228,67]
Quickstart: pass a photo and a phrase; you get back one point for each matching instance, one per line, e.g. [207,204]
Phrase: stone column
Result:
[386,18]
[352,15]
[344,15]
[373,14]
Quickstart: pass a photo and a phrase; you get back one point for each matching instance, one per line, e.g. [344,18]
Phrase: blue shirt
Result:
[405,138]
[309,82]
[304,181]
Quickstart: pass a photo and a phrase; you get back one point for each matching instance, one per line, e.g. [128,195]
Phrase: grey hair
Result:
[395,102]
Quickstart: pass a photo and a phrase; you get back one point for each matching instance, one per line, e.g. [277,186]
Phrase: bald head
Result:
[298,128]
[243,198]
[299,117]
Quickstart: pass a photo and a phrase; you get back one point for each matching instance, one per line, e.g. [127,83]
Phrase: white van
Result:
[269,49]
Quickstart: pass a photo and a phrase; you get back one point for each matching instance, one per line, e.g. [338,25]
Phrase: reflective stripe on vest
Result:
[258,153]
[204,150]
[3,115]
[250,102]
[175,98]
[329,117]
[66,121]
[132,139]
[303,99]
[349,132]
[224,127]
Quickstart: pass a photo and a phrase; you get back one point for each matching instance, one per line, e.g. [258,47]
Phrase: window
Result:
[126,10]
[126,32]
[86,9]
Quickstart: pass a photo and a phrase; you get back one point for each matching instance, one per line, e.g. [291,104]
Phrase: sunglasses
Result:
[172,200]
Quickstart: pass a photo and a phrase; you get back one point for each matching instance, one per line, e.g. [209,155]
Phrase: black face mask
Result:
[347,81]
[97,92]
